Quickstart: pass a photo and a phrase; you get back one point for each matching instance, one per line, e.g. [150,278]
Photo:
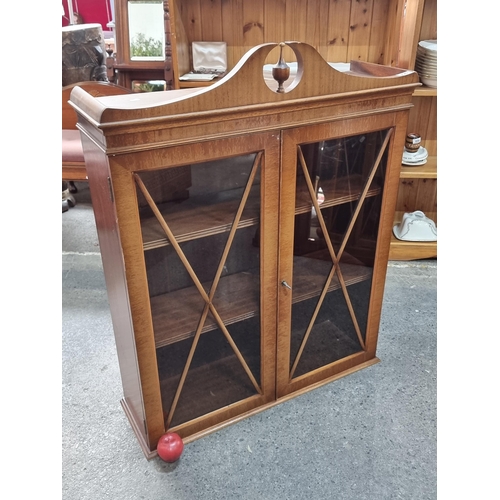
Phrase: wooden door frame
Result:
[316,133]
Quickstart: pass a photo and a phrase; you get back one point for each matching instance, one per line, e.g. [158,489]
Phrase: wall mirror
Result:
[146,30]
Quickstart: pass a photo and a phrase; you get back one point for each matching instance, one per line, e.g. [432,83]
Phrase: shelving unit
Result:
[232,284]
[418,185]
[381,32]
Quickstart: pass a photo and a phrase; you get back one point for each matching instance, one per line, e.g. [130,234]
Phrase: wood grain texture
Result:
[382,31]
[353,30]
[125,136]
[339,14]
[359,30]
[234,92]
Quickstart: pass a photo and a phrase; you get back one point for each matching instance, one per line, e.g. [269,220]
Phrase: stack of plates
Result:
[426,62]
[415,159]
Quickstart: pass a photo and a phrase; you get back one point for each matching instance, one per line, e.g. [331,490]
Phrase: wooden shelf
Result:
[425,92]
[426,171]
[206,395]
[140,66]
[200,216]
[191,218]
[412,250]
[176,314]
[188,84]
[336,192]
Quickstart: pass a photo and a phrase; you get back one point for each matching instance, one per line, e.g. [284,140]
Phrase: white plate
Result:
[429,45]
[428,76]
[430,82]
[426,63]
[414,163]
[427,53]
[426,72]
[426,57]
[409,159]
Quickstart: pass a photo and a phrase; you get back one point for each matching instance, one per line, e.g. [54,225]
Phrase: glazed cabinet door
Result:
[333,196]
[200,254]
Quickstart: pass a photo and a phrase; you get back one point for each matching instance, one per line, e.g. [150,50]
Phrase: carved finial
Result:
[281,72]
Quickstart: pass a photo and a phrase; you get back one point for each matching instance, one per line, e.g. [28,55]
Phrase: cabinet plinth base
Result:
[144,446]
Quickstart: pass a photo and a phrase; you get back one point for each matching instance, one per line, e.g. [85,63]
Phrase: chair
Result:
[73,161]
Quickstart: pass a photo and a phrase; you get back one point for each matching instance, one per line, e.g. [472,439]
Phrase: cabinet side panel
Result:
[114,272]
[126,203]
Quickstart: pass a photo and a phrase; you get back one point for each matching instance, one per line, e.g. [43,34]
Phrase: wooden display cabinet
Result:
[244,234]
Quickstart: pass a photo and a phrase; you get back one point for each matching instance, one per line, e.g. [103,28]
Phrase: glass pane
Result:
[146,30]
[339,192]
[200,226]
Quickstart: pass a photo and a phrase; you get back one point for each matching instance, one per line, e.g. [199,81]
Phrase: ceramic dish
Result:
[425,68]
[429,45]
[430,82]
[421,154]
[426,54]
[414,163]
[415,226]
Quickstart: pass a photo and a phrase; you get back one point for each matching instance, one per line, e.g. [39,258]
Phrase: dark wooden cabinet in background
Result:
[244,234]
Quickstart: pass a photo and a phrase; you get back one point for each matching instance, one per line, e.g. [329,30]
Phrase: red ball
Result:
[170,447]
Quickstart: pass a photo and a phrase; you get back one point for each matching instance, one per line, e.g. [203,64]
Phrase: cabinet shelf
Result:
[412,250]
[212,214]
[425,92]
[335,191]
[200,216]
[202,398]
[176,314]
[426,171]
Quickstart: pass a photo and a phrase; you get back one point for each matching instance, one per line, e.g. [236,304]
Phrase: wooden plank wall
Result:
[423,121]
[340,30]
[421,194]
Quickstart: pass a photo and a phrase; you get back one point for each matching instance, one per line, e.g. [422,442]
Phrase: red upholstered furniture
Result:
[73,164]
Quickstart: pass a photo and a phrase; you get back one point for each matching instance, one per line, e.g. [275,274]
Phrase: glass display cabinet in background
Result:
[244,234]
